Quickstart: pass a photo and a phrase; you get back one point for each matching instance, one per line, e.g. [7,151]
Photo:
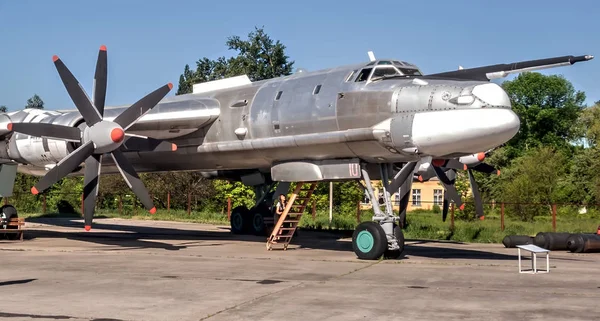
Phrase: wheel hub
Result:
[365,241]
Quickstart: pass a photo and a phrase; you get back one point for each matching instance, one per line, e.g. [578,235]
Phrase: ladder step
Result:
[287,228]
[294,221]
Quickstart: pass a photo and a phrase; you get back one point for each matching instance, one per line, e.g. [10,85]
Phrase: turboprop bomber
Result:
[381,119]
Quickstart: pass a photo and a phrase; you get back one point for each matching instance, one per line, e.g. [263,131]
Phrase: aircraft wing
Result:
[502,70]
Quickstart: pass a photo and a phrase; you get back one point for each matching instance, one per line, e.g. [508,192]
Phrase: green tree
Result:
[537,177]
[35,102]
[258,56]
[3,109]
[548,107]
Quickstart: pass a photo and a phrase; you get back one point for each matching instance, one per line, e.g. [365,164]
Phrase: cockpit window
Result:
[410,72]
[363,75]
[382,71]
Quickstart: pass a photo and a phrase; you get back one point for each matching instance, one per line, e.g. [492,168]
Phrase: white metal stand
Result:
[535,250]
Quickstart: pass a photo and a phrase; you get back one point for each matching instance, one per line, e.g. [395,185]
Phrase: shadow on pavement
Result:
[140,237]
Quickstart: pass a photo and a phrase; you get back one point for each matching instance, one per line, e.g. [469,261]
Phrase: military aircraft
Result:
[381,119]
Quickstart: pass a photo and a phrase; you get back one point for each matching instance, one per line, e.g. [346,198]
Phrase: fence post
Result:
[452,217]
[120,205]
[228,208]
[554,217]
[358,212]
[6,201]
[44,204]
[314,209]
[502,216]
[168,202]
[189,203]
[82,204]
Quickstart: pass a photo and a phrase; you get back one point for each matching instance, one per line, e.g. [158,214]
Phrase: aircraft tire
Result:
[369,241]
[395,254]
[258,222]
[7,212]
[240,223]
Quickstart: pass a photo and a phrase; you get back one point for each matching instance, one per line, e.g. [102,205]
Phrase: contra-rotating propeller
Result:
[97,138]
[446,170]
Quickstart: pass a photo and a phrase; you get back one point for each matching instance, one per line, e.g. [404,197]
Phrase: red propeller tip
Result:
[103,48]
[117,135]
[498,172]
[87,227]
[153,210]
[420,178]
[54,58]
[480,157]
[9,126]
[34,191]
[462,207]
[173,147]
[170,86]
[465,167]
[482,218]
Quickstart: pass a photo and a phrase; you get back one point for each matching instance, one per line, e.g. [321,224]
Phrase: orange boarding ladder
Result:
[291,217]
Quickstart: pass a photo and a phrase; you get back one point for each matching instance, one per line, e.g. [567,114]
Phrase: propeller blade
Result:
[476,195]
[485,168]
[100,79]
[401,177]
[142,106]
[90,188]
[147,144]
[64,167]
[80,99]
[133,180]
[445,209]
[448,183]
[72,134]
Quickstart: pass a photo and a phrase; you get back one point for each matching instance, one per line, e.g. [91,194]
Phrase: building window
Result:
[278,95]
[438,197]
[416,197]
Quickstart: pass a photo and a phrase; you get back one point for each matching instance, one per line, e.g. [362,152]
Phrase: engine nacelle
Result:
[33,150]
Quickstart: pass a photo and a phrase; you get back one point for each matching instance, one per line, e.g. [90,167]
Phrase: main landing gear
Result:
[383,236]
[8,212]
[258,219]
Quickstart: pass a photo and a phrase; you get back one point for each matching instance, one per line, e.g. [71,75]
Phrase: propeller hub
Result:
[106,136]
[117,135]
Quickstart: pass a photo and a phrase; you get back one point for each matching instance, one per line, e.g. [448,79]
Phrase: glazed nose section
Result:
[491,95]
[443,133]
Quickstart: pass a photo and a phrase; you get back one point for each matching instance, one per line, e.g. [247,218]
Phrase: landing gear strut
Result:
[382,236]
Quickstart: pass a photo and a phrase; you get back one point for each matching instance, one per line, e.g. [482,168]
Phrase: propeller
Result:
[99,137]
[446,171]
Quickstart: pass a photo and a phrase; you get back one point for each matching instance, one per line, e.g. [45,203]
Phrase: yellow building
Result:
[422,196]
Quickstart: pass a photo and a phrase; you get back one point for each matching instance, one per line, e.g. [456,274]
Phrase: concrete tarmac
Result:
[151,270]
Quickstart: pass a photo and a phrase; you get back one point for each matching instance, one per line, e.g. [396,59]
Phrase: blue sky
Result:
[149,42]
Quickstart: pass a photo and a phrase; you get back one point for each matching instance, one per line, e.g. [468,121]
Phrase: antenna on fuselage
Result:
[460,67]
[371,56]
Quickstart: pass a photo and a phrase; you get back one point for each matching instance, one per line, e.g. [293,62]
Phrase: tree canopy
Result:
[258,56]
[35,102]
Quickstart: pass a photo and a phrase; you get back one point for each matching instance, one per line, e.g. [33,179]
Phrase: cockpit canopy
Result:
[386,68]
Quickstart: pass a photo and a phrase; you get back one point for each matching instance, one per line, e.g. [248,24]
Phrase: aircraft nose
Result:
[470,131]
[492,95]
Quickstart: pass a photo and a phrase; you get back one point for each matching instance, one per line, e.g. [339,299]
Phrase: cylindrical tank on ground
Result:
[584,243]
[511,241]
[552,241]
